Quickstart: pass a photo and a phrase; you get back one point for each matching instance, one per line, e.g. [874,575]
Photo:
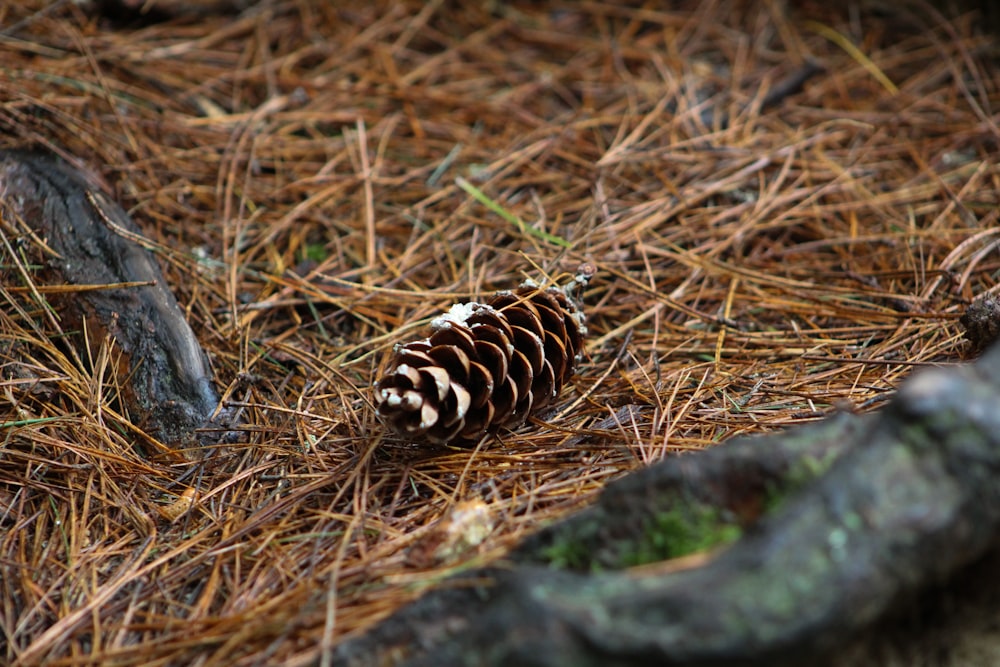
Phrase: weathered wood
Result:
[840,522]
[59,228]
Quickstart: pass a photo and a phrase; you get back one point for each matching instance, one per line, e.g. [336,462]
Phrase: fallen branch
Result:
[76,267]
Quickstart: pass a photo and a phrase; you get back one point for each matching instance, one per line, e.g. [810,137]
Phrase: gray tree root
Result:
[60,229]
[813,535]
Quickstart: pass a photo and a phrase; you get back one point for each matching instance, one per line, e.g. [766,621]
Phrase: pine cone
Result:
[484,365]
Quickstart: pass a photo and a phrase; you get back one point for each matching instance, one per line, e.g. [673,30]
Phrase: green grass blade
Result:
[492,205]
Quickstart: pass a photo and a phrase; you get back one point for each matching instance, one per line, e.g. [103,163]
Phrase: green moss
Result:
[316,252]
[575,550]
[803,472]
[569,554]
[664,535]
[679,532]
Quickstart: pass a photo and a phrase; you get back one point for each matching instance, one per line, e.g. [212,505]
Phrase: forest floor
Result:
[789,205]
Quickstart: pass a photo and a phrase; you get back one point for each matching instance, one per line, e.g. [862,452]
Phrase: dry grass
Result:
[763,258]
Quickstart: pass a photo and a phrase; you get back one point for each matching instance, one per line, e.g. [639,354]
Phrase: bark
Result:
[60,229]
[838,524]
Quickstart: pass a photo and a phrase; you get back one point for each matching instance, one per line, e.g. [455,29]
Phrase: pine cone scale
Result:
[504,399]
[521,374]
[460,338]
[439,378]
[492,358]
[456,405]
[545,382]
[453,360]
[481,384]
[555,357]
[528,344]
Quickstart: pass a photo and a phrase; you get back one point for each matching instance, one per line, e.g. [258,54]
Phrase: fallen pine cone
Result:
[485,365]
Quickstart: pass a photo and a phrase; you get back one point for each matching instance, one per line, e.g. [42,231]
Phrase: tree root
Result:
[806,537]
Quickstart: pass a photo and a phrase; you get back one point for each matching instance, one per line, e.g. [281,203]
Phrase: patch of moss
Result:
[316,252]
[574,551]
[802,473]
[678,532]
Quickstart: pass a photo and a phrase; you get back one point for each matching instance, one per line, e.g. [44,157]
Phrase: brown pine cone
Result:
[484,365]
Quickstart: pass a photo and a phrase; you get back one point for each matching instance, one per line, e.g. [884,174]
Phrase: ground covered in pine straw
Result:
[788,210]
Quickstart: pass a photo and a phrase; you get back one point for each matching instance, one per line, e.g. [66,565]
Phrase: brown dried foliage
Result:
[764,254]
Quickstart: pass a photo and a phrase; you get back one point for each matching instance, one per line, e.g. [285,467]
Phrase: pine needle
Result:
[848,46]
[492,205]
